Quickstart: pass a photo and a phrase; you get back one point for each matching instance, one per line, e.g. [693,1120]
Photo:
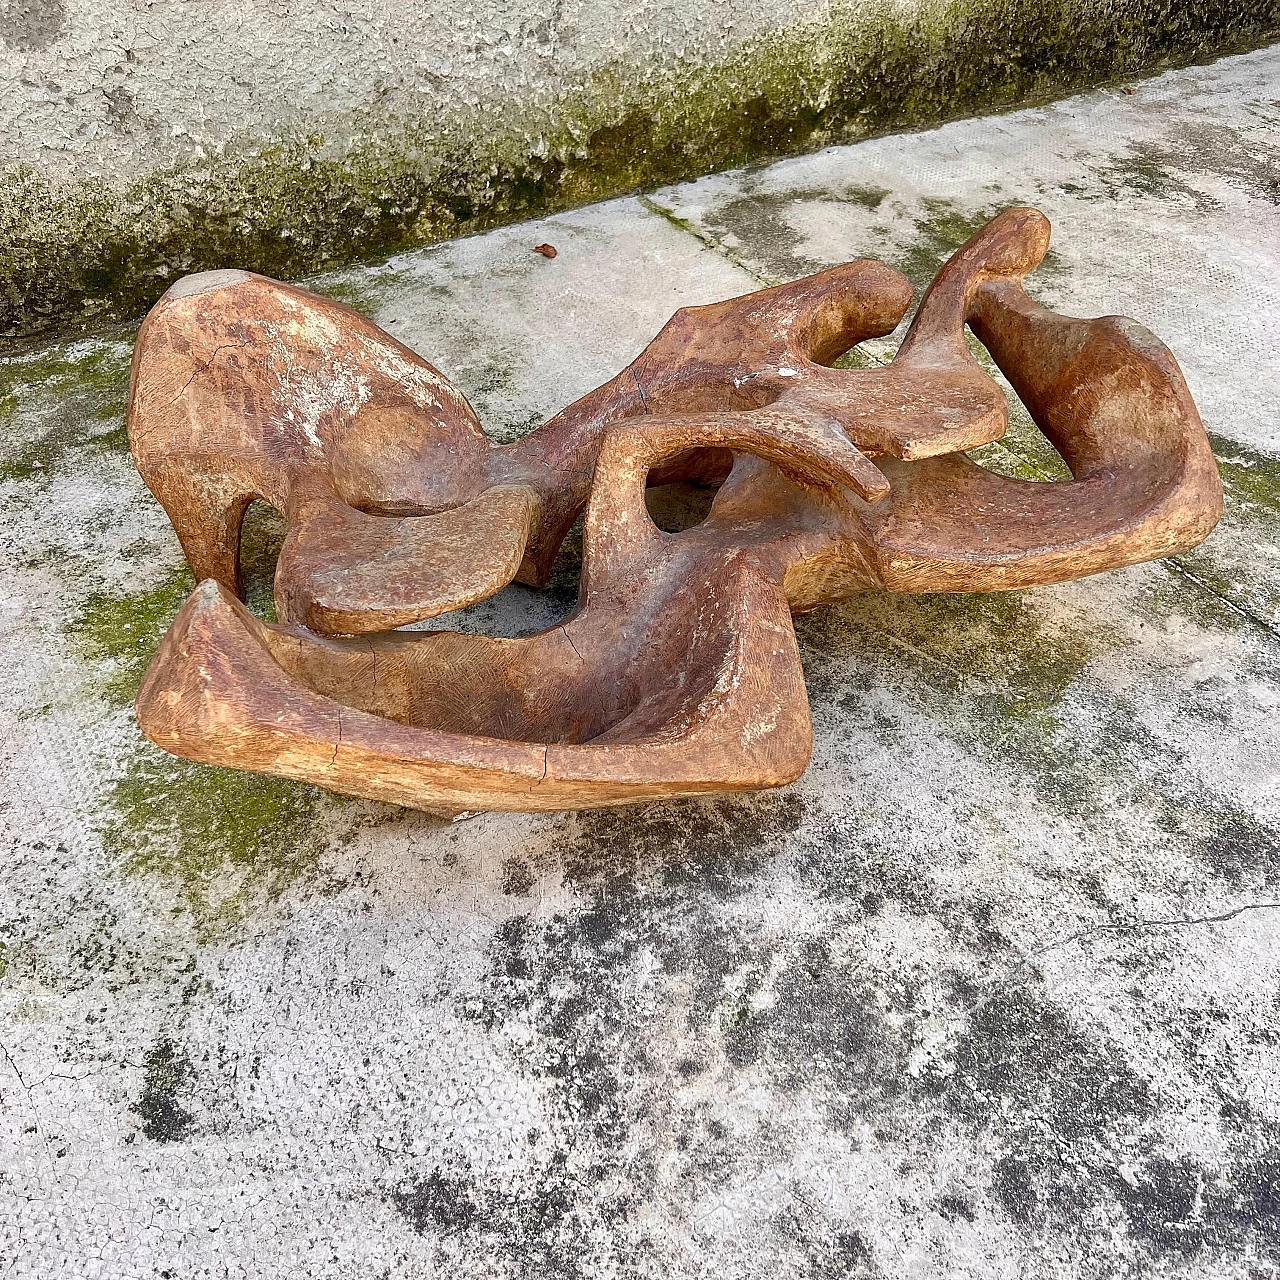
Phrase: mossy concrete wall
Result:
[141,141]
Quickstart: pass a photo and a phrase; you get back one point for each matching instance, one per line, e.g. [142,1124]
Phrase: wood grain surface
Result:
[679,672]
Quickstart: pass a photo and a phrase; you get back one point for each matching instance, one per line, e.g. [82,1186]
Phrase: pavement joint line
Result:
[1174,565]
[709,241]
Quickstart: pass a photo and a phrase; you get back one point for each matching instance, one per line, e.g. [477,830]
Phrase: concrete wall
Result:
[141,139]
[113,88]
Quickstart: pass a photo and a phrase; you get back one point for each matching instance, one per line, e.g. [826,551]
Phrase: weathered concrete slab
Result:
[991,991]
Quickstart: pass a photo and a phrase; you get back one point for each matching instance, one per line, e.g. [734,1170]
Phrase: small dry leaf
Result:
[547,250]
[1129,91]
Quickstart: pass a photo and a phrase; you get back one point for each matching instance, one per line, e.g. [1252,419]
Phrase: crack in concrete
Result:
[1001,983]
[1138,926]
[35,1111]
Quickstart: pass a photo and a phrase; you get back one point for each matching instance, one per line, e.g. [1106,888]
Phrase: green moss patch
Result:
[993,655]
[57,402]
[221,838]
[1247,160]
[1239,562]
[991,670]
[120,633]
[1250,479]
[940,228]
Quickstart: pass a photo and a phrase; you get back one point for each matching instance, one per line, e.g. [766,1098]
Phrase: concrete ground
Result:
[992,991]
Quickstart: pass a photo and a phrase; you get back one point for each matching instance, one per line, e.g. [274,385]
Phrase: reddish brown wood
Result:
[679,672]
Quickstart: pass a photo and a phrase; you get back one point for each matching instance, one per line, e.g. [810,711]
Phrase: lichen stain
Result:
[360,186]
[166,1073]
[1160,169]
[57,402]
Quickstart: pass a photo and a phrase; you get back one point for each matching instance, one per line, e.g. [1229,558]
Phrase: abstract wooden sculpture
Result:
[679,671]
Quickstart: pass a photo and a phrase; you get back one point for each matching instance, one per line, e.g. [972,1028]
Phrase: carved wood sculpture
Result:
[679,671]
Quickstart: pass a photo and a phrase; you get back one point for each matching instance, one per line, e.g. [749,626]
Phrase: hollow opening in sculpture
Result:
[519,611]
[1024,452]
[680,491]
[680,505]
[262,534]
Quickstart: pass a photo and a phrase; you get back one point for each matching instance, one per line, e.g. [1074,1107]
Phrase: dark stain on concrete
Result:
[1178,1208]
[441,1202]
[534,1230]
[844,1256]
[166,1075]
[829,1020]
[1045,1084]
[517,877]
[954,1208]
[710,845]
[1241,850]
[1014,1189]
[759,224]
[1246,161]
[825,1018]
[650,878]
